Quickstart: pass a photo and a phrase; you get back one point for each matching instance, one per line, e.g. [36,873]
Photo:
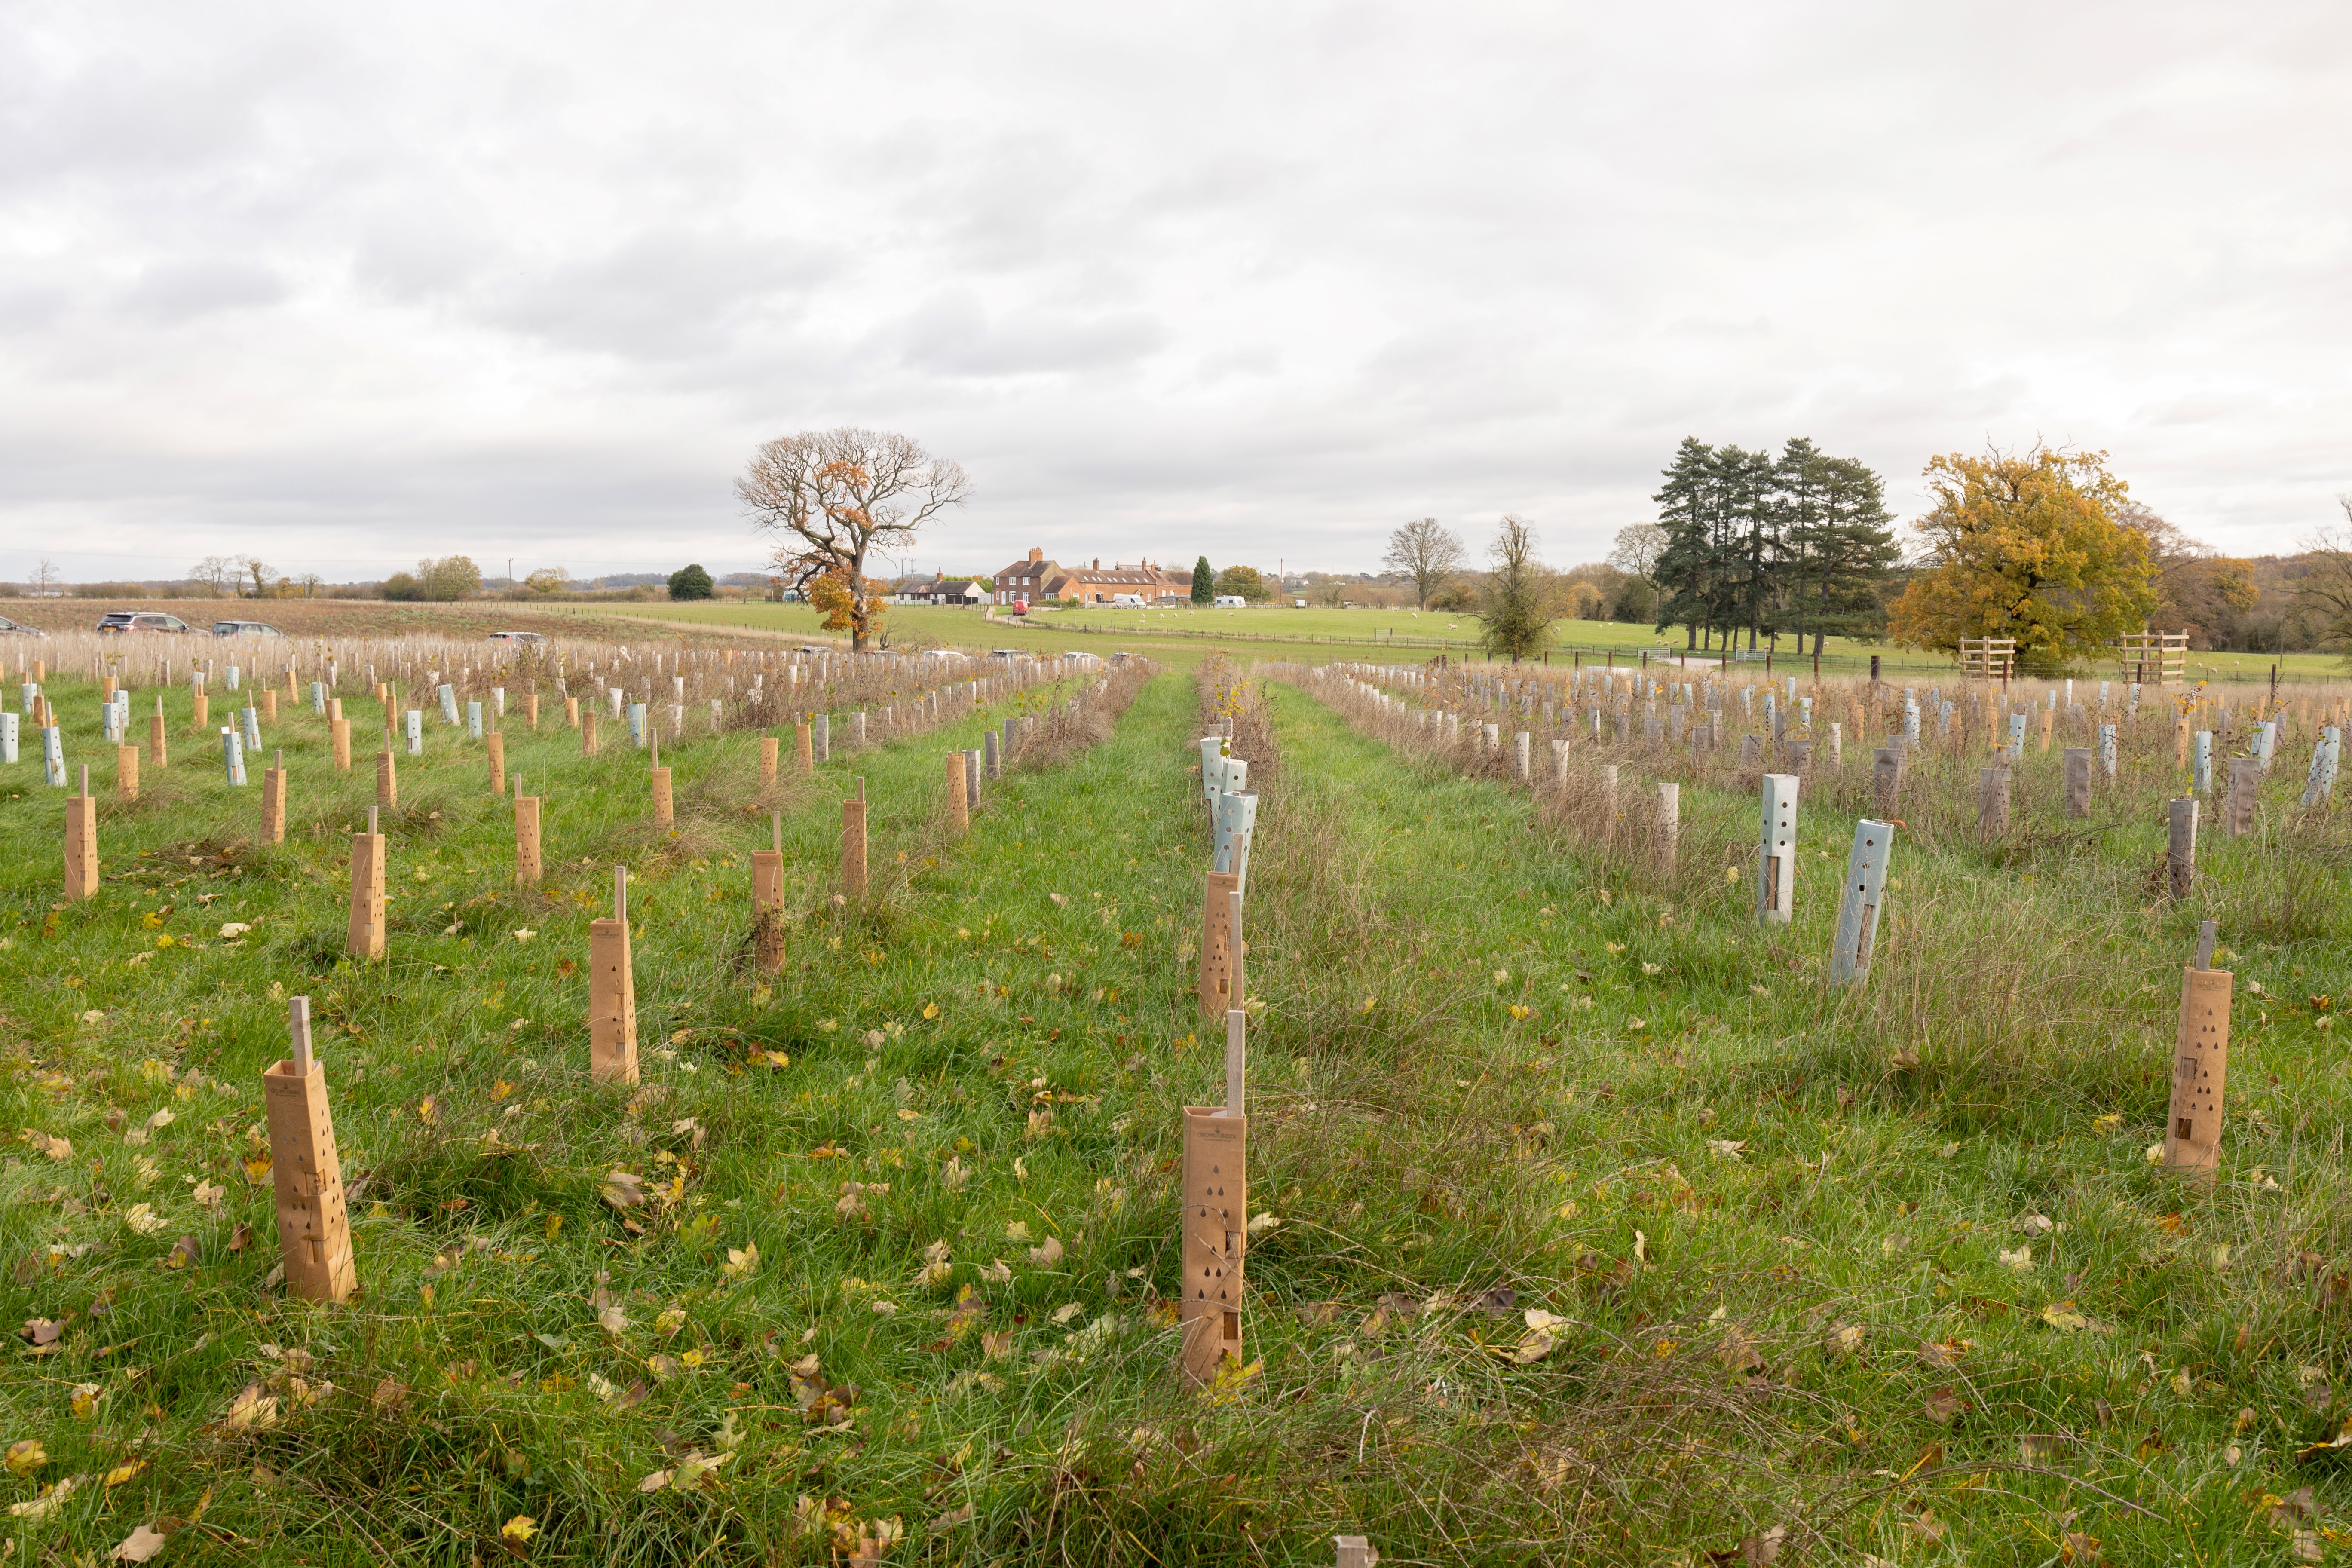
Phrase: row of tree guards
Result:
[811,739]
[2192,1140]
[314,1230]
[1215,1213]
[904,694]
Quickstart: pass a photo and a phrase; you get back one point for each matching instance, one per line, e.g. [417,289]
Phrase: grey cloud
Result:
[175,291]
[1255,277]
[953,334]
[660,295]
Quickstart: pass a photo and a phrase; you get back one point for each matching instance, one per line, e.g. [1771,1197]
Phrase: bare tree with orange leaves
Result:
[831,497]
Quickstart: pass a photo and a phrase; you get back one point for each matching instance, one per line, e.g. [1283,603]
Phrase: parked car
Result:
[141,621]
[17,628]
[245,629]
[1230,601]
[529,639]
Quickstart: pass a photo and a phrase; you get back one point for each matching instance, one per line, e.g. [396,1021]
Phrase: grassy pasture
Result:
[1499,1065]
[1183,636]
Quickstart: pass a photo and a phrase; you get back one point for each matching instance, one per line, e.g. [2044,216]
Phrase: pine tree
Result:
[1204,583]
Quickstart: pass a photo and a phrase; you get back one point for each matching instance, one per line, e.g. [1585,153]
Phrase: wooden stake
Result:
[769,747]
[81,843]
[528,869]
[1216,1220]
[126,772]
[611,993]
[314,1233]
[365,939]
[958,811]
[2200,1064]
[853,844]
[273,801]
[1216,957]
[495,743]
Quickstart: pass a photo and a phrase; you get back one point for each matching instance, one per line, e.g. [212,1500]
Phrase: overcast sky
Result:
[348,285]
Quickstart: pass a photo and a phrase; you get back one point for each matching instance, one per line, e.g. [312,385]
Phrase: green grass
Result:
[1181,638]
[1486,1059]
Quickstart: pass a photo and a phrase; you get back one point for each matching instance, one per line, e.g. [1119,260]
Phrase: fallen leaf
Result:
[142,1542]
[1045,1256]
[1844,1340]
[48,1503]
[25,1456]
[2062,1315]
[520,1528]
[1942,1404]
[252,1410]
[2022,1259]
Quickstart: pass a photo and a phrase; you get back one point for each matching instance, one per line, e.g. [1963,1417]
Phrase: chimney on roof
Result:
[1097,563]
[1036,555]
